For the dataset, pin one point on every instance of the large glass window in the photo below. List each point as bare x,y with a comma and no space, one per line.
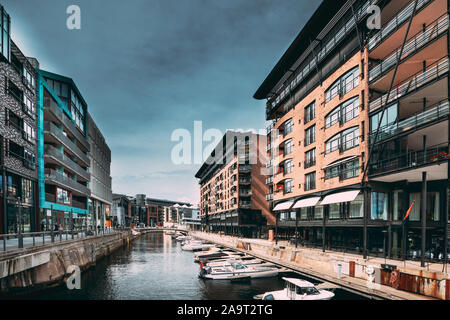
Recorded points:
344,112
334,210
288,186
343,85
344,140
357,207
27,191
288,147
389,117
310,135
379,206
29,133
288,127
432,207
318,212
288,166
62,196
399,205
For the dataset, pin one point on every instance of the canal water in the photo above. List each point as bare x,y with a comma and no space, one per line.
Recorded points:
154,267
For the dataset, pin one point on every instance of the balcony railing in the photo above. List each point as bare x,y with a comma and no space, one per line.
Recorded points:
57,133
269,197
245,193
245,204
410,159
245,181
396,22
78,204
245,168
414,82
61,179
51,105
269,180
50,151
435,29
441,110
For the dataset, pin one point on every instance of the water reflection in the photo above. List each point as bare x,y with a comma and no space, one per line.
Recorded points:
154,267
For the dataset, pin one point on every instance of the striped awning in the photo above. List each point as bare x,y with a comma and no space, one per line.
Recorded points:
339,197
305,203
284,206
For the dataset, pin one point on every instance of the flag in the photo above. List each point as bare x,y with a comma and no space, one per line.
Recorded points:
409,211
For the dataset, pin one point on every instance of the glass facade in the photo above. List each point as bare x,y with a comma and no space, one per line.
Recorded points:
5,39
432,207
379,206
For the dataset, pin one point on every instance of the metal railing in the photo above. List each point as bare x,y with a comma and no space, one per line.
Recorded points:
66,181
52,129
410,159
442,109
394,24
434,29
50,151
32,239
414,82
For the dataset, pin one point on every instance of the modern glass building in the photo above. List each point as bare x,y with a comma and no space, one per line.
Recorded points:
63,148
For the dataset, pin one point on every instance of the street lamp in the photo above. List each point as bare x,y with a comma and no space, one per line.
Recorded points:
384,244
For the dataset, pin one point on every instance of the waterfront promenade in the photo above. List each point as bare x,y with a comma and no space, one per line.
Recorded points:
431,282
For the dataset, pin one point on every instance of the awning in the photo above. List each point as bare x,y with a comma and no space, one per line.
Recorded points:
340,197
283,206
304,203
339,162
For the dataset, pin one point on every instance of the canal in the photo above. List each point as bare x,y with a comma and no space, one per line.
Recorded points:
154,267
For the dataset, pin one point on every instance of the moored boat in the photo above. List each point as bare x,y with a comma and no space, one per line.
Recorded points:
237,270
297,289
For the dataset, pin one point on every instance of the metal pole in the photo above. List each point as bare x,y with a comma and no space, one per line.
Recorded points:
19,224
296,228
52,234
71,222
423,207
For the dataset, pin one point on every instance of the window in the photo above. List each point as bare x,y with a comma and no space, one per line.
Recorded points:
5,41
28,79
310,135
29,133
29,160
344,140
310,181
350,170
389,117
62,196
288,166
310,112
343,85
288,147
343,113
288,186
27,191
432,207
303,213
318,212
310,158
379,206
357,207
400,208
29,106
288,127
335,210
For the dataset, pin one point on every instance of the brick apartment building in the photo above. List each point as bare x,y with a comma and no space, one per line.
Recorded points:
347,162
233,188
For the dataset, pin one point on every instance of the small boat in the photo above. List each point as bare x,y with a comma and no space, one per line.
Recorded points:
134,232
227,262
183,238
237,269
297,289
215,254
195,246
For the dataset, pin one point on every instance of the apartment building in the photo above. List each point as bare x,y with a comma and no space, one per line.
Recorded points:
359,130
63,147
120,215
100,200
233,188
18,145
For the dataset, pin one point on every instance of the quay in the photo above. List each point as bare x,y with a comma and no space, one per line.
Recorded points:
414,283
42,264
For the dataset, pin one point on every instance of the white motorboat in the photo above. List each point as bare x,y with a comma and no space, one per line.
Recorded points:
196,246
215,254
227,262
237,271
297,289
183,238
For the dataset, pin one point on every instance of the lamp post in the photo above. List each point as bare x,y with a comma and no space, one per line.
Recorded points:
19,223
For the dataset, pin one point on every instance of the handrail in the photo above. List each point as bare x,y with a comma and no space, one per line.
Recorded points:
409,159
55,175
434,29
395,23
413,82
435,112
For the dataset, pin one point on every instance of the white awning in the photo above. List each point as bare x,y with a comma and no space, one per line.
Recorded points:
339,162
304,203
340,197
283,206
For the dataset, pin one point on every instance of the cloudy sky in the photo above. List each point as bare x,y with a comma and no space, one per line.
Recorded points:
149,67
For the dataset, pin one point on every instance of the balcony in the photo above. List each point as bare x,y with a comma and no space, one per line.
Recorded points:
245,204
416,81
50,105
441,110
245,193
51,152
61,180
79,204
245,180
52,129
269,180
433,31
396,23
269,197
411,160
245,168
